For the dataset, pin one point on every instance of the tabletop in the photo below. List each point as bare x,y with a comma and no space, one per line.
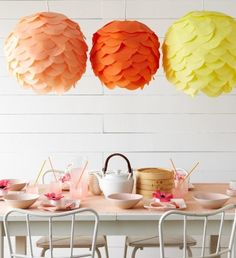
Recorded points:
115,221
108,212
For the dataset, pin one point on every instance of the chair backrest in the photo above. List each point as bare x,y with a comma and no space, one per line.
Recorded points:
188,218
50,172
50,219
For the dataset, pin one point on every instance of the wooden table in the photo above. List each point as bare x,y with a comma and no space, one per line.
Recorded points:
114,221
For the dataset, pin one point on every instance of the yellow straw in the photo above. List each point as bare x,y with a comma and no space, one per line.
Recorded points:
82,172
40,172
173,165
191,171
53,171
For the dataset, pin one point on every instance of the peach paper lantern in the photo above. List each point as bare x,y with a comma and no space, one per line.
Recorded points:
125,54
46,52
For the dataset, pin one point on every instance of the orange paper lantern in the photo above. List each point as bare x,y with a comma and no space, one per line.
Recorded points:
125,54
46,52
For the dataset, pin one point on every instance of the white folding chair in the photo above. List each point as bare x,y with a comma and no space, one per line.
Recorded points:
47,175
188,218
139,243
64,242
29,216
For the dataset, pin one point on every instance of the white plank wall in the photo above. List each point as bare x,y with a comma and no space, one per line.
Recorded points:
149,125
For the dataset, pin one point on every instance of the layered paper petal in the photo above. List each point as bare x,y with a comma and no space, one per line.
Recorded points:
125,54
199,53
46,52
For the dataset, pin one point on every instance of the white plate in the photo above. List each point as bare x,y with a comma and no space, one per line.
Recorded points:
165,206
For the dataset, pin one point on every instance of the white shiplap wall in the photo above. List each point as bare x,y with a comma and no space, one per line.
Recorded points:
149,125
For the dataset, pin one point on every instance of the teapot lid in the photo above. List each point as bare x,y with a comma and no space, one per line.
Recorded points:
117,175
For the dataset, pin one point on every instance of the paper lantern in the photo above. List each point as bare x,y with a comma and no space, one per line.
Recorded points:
125,54
46,52
199,53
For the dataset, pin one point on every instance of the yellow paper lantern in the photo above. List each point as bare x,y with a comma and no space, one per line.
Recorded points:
46,52
199,53
125,54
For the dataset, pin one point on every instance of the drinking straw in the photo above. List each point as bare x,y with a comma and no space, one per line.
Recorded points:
82,172
53,170
191,171
40,172
173,165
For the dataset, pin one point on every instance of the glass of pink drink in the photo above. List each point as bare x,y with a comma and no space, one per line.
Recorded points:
180,189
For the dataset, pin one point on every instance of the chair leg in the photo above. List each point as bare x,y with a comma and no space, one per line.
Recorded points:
98,252
43,252
106,247
126,248
135,251
190,254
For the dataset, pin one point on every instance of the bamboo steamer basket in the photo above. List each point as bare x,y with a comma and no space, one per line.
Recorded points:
149,180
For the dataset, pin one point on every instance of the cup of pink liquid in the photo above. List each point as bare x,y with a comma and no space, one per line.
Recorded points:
32,188
55,187
80,191
181,184
180,189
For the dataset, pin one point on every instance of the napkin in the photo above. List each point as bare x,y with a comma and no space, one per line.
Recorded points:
68,205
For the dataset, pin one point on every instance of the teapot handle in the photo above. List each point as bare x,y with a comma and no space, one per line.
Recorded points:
121,155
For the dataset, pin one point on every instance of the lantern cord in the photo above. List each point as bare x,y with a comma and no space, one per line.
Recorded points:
203,5
125,9
101,11
47,5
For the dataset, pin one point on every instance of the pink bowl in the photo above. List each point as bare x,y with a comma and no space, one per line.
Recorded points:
211,200
16,184
20,200
124,200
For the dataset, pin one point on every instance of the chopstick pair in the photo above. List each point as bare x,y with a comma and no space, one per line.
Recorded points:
189,173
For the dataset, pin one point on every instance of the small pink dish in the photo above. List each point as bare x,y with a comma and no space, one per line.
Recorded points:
156,205
231,192
60,205
211,200
124,200
3,192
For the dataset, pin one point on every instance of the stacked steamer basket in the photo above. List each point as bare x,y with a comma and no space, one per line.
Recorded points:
149,180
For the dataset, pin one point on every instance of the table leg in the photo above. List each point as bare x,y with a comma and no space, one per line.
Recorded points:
21,245
213,244
1,240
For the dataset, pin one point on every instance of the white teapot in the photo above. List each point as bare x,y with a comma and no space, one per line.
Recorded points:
115,181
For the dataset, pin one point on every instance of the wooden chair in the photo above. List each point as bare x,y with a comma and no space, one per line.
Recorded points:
64,242
29,216
206,217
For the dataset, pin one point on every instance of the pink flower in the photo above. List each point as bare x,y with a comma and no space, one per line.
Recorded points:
65,178
54,196
4,184
162,196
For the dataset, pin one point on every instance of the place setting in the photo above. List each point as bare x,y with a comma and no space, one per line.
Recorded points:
63,192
